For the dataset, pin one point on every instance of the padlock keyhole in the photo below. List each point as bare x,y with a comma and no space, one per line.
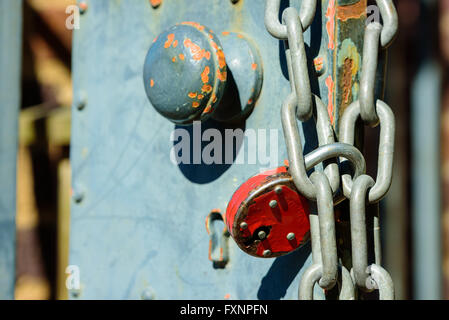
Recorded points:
259,234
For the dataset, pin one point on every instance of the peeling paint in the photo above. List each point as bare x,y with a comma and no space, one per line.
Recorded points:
205,74
318,63
169,41
330,94
349,60
196,51
330,24
206,88
353,11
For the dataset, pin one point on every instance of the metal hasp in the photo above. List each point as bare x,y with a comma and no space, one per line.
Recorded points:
10,62
186,74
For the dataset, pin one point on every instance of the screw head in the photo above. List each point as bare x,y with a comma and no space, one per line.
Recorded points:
273,204
81,100
266,253
291,236
262,235
243,225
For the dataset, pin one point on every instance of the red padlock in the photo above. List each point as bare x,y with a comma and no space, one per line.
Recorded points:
267,217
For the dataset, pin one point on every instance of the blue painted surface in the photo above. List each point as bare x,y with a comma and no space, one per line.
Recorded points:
141,224
10,62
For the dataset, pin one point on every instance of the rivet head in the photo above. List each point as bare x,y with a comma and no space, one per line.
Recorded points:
291,236
155,3
273,204
147,294
83,7
243,225
278,189
262,235
266,253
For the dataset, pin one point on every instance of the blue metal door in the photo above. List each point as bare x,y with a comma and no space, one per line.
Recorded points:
138,219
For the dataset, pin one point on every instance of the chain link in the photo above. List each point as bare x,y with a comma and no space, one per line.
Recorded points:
324,186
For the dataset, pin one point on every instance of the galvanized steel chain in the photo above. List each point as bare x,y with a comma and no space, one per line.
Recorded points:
324,186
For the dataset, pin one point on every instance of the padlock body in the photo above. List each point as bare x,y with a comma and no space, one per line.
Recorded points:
267,217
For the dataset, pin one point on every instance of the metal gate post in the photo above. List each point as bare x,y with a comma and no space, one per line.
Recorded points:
10,65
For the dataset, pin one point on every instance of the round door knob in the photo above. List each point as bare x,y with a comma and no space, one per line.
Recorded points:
185,73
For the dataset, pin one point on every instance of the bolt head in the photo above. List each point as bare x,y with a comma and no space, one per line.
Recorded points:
266,253
243,225
262,235
273,204
291,236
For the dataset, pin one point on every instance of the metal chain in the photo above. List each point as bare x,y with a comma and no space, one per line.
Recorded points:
324,186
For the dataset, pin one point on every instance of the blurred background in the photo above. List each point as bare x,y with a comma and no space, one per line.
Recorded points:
415,216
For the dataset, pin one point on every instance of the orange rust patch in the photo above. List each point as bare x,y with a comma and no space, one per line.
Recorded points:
200,96
214,98
206,88
181,56
330,94
208,109
151,83
353,11
169,41
330,24
155,39
192,95
221,75
225,33
347,79
155,3
175,43
239,36
318,63
205,74
194,24
211,36
214,45
195,104
254,66
286,163
250,101
227,296
221,59
196,51
173,59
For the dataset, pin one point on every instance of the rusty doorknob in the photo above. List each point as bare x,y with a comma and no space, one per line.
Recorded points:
185,73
